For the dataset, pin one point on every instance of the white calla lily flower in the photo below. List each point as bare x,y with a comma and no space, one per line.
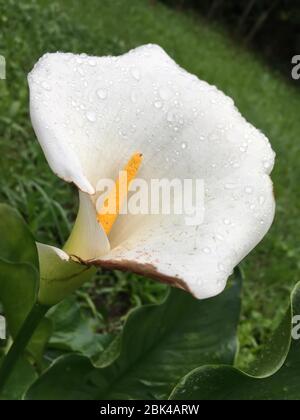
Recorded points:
91,114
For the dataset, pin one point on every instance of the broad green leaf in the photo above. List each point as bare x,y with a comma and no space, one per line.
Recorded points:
17,244
19,277
159,344
74,332
19,381
18,292
277,375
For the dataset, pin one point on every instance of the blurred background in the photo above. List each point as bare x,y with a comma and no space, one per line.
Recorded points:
269,27
244,48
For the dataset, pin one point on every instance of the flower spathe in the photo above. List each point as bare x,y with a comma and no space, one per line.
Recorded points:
91,114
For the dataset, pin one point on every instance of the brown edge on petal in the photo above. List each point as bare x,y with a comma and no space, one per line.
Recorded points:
147,270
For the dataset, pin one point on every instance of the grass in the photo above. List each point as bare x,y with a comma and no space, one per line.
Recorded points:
28,29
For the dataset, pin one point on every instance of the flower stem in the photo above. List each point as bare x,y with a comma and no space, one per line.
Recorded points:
19,345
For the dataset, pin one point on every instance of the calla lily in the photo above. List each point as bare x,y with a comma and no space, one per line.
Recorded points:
90,114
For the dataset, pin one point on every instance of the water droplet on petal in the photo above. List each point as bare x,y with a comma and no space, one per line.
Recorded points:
123,133
158,104
164,93
267,164
261,200
183,145
46,86
102,94
92,62
221,268
91,116
229,186
206,250
135,73
248,190
81,71
133,97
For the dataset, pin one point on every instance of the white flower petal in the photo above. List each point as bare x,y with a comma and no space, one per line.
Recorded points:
88,239
110,108
60,275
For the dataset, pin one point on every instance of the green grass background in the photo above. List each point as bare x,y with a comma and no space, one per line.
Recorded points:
30,28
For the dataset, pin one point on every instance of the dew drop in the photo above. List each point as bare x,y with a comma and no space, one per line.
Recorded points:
267,164
221,268
122,133
226,222
221,282
133,97
261,200
158,104
46,86
102,94
92,62
133,128
91,116
229,186
206,250
248,190
81,71
164,93
136,74
183,146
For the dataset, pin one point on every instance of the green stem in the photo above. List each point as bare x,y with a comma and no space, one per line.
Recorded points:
19,345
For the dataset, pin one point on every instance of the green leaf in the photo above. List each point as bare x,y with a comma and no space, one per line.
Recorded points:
159,344
19,381
19,277
74,332
17,243
275,376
